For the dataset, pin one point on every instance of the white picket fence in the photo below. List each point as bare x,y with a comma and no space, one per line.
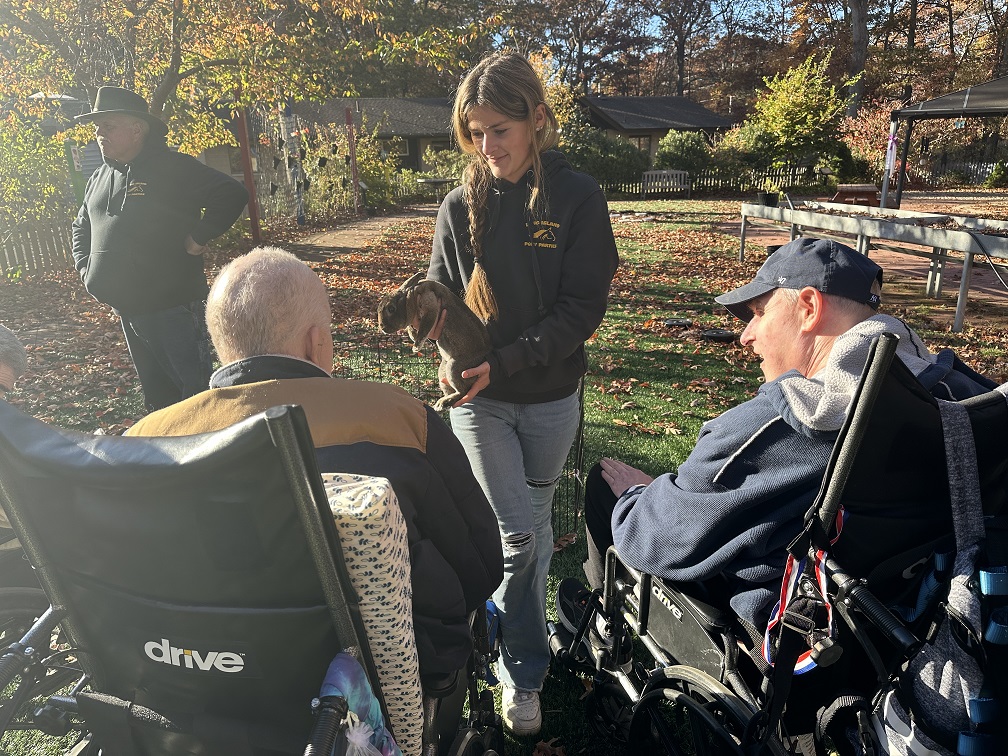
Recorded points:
36,249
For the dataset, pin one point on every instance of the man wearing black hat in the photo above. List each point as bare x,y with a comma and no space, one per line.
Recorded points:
138,241
739,497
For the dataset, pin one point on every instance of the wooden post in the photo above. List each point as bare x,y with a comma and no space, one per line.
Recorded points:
253,203
352,148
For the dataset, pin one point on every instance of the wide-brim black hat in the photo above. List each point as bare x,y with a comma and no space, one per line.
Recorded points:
124,101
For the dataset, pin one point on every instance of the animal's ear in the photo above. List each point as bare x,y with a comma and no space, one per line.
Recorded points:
413,280
428,308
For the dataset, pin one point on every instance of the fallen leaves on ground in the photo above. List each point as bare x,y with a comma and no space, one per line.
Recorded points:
80,372
548,748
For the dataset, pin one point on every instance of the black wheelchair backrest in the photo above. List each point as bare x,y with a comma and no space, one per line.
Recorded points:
201,574
896,500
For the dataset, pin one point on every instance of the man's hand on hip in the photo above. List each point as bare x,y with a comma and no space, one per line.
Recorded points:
193,248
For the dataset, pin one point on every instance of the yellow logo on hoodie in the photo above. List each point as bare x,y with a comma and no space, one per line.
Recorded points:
543,235
136,189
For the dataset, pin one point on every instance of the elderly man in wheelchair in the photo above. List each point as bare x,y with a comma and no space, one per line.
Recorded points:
282,549
692,563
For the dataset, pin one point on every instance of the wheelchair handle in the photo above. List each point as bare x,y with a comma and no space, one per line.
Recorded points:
855,593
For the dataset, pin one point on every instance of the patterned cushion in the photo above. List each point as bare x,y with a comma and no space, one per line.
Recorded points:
372,532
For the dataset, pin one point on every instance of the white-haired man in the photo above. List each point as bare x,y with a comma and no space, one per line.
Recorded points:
269,318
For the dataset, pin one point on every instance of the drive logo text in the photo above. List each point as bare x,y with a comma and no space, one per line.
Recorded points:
219,661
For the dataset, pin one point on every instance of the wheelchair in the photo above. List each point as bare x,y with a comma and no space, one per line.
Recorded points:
699,680
196,590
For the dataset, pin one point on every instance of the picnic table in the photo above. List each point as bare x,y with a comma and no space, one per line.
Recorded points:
903,231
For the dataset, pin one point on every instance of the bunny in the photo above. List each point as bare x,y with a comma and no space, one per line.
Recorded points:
464,342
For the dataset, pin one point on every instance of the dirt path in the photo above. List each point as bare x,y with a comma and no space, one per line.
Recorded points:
354,235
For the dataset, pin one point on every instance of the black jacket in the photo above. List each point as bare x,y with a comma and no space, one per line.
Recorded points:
550,278
377,429
129,235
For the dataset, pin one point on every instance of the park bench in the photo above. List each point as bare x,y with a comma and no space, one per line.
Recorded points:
857,194
663,182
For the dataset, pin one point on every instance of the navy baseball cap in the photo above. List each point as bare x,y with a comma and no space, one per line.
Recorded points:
823,264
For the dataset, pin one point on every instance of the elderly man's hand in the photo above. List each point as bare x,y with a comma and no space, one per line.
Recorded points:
620,476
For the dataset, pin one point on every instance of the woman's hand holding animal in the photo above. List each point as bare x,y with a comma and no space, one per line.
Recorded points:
482,375
421,307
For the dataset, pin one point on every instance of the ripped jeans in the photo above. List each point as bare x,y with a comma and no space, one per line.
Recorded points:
517,452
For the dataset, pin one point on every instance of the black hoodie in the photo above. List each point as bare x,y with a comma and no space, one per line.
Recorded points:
129,235
550,277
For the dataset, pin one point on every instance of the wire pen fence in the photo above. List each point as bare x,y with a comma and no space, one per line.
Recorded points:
390,359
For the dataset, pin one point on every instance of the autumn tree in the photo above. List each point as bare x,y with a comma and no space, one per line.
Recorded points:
197,59
581,36
681,22
801,110
33,174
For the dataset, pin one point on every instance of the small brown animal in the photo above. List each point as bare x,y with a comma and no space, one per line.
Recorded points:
464,342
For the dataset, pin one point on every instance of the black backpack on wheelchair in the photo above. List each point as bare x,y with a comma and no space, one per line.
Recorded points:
853,617
199,590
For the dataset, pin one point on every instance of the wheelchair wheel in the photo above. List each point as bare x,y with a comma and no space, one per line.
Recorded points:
19,608
472,742
689,712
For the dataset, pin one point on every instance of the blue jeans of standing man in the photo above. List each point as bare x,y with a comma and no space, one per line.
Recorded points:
517,452
171,352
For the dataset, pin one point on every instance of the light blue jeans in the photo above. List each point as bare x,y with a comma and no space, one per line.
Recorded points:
517,452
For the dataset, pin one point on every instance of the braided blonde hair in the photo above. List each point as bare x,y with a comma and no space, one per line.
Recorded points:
507,83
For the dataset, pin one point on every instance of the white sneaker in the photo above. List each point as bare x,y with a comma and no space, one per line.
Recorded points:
520,710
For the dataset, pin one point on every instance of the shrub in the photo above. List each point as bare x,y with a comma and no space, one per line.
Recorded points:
443,163
609,161
998,178
742,149
865,138
683,150
330,193
801,110
954,179
848,166
33,174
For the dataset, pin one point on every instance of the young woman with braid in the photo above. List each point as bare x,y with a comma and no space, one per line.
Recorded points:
528,241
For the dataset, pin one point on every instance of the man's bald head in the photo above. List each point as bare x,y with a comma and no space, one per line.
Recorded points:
269,302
